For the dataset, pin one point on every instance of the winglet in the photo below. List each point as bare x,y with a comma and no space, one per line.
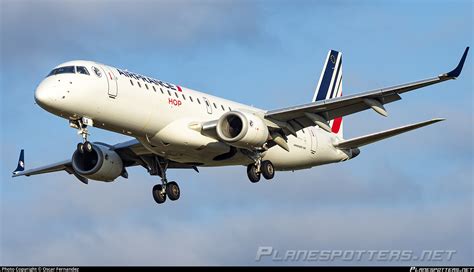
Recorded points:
21,163
457,71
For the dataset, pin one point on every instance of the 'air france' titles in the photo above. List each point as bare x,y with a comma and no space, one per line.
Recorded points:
147,79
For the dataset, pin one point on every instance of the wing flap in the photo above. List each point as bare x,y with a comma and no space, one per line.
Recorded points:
371,138
357,104
132,153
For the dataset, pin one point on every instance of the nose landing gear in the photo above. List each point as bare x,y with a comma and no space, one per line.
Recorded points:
81,126
85,147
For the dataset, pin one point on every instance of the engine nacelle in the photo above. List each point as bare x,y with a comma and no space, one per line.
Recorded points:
100,164
242,129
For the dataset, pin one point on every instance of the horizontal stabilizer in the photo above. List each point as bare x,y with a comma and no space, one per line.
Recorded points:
371,138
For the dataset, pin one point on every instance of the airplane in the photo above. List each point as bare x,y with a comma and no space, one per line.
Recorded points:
178,128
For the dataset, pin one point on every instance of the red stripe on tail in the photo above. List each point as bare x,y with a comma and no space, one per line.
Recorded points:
336,125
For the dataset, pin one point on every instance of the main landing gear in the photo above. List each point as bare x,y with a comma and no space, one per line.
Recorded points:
255,170
170,189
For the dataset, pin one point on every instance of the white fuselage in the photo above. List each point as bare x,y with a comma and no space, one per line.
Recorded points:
164,117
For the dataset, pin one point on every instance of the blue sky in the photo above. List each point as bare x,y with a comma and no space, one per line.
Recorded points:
412,192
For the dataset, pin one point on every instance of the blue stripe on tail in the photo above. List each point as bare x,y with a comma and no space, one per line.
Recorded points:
327,76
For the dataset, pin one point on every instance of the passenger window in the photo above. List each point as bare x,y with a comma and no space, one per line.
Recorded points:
162,91
207,103
82,70
154,89
199,101
222,108
230,109
169,93
131,82
176,94
146,86
190,98
215,105
139,85
184,97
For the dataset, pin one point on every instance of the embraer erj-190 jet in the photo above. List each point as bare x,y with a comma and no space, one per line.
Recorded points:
176,127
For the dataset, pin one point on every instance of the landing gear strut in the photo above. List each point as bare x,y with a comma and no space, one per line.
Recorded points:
85,146
160,191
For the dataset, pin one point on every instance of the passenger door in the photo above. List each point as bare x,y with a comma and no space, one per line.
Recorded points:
112,81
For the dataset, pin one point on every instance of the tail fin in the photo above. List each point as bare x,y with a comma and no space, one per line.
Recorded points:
21,162
330,85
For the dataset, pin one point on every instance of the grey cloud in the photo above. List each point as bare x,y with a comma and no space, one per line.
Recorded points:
157,239
222,218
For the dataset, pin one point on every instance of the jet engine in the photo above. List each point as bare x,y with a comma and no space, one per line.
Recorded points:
100,164
242,129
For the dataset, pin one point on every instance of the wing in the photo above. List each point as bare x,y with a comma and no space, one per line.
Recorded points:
65,165
131,152
59,166
292,119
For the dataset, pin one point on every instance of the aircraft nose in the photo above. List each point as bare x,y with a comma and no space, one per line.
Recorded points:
43,96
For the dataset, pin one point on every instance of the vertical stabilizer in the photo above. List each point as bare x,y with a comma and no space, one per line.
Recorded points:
330,85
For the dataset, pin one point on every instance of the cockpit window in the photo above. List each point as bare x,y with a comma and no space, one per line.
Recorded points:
63,70
82,70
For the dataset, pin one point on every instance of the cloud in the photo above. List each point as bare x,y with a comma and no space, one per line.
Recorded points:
144,234
40,30
222,218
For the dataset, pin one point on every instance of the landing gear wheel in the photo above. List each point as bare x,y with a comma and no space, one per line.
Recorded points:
268,171
87,147
159,194
172,190
80,148
252,173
